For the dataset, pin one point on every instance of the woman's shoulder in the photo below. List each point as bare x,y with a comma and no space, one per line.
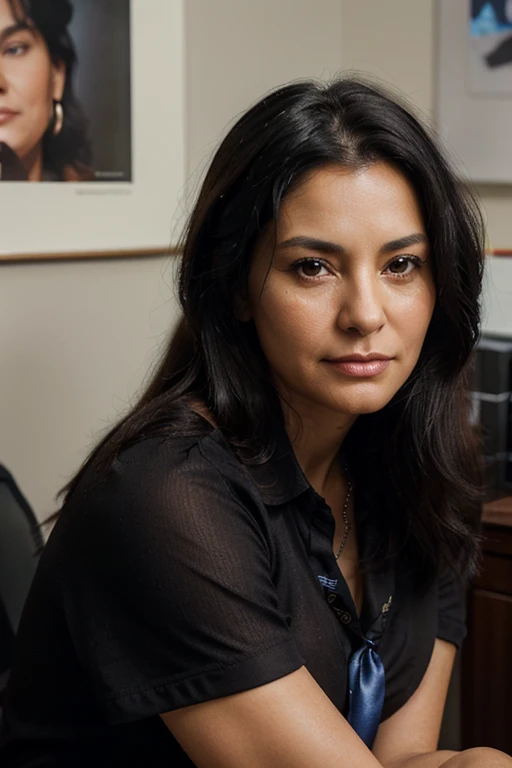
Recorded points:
155,496
162,477
160,461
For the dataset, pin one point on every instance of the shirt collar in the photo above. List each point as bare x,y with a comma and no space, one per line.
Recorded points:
280,479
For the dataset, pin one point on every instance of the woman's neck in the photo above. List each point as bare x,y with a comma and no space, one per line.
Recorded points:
33,163
316,440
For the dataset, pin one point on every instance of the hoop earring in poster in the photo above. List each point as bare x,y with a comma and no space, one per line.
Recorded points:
58,118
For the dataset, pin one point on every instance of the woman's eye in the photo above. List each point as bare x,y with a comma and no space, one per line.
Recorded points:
310,268
16,49
404,265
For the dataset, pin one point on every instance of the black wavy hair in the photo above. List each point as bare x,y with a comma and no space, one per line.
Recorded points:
51,19
414,462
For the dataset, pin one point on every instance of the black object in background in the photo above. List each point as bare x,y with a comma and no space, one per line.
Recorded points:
20,540
501,55
492,397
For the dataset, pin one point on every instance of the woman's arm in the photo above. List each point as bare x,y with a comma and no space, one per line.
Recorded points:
409,738
289,722
415,728
479,757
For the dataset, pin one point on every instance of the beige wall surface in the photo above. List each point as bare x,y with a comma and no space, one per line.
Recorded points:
237,50
77,338
393,42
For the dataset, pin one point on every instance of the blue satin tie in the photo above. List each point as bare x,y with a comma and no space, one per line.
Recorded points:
366,680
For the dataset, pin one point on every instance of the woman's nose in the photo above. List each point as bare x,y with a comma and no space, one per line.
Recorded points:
3,81
362,308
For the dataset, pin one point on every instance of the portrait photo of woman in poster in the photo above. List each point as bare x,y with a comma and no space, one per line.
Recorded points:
48,131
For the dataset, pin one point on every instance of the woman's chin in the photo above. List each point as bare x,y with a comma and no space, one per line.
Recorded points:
363,399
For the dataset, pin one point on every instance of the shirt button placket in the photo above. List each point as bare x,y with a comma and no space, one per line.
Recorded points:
343,617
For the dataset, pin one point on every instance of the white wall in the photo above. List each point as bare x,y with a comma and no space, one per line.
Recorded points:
77,338
237,50
392,41
396,42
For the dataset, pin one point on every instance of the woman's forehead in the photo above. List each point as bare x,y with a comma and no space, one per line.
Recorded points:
336,199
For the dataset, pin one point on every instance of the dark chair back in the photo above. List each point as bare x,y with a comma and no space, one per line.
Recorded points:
20,539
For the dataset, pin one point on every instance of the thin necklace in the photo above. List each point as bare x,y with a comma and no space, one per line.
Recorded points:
348,527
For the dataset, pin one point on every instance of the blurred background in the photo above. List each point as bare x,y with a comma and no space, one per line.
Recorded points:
77,337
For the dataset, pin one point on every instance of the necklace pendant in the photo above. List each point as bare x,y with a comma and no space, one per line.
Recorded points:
348,526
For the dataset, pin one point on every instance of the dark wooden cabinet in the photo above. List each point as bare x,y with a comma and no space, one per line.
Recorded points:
486,663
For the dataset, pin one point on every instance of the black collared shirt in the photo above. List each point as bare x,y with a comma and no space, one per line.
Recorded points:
184,576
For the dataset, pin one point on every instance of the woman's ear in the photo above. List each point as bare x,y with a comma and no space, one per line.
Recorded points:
58,80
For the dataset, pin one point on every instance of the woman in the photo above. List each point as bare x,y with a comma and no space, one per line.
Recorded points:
42,126
263,564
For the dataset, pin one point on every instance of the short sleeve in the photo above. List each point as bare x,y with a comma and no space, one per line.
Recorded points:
452,606
168,586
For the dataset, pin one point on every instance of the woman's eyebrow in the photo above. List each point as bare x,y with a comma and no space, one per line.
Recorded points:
324,246
418,238
311,244
20,26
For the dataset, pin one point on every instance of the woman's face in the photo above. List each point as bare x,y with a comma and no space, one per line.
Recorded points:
29,82
343,302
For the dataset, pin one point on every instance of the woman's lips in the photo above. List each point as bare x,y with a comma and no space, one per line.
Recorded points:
6,115
360,368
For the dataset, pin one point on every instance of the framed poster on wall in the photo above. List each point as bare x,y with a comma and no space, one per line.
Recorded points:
474,86
91,128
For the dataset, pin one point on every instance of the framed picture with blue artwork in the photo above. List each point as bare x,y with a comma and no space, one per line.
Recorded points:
474,86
